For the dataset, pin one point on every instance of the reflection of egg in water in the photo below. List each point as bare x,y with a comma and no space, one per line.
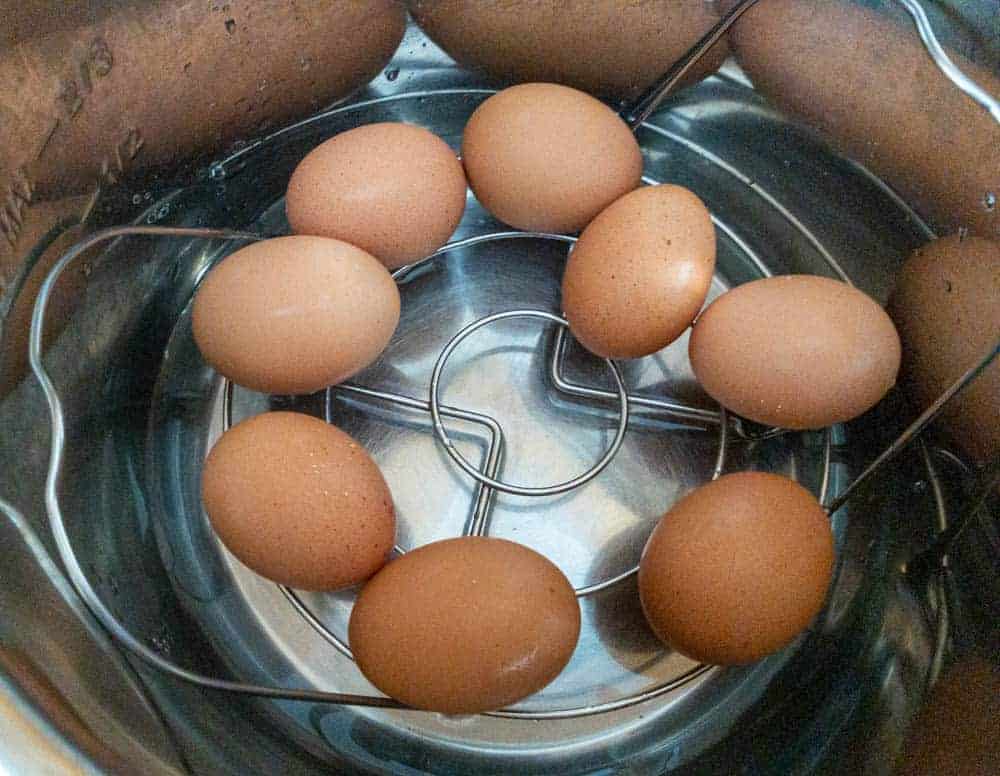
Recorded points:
955,734
544,157
298,501
295,314
465,625
737,568
396,190
640,272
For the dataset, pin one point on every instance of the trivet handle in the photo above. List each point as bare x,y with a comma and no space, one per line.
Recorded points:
640,110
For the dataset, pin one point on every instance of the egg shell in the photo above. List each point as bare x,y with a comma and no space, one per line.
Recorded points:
465,625
640,272
544,157
615,48
796,351
946,305
737,568
955,733
295,314
298,501
938,149
396,190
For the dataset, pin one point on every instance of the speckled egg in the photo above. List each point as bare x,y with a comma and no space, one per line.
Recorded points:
298,501
640,272
795,351
465,625
396,190
544,157
737,568
295,314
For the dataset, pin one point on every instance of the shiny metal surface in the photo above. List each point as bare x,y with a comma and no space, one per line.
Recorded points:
42,685
504,487
838,703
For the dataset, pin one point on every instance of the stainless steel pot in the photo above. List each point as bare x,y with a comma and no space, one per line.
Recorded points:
141,409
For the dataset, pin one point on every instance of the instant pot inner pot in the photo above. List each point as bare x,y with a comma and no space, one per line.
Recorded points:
781,203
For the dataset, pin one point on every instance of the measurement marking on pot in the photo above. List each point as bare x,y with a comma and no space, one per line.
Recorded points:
124,152
69,99
101,58
74,89
18,197
48,137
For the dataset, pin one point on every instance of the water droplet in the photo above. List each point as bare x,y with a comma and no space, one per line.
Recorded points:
136,199
919,486
990,201
392,73
161,643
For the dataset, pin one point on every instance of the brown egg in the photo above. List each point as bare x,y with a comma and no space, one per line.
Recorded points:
796,351
544,157
955,734
946,306
737,568
465,625
295,314
615,48
396,190
640,272
298,501
937,148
